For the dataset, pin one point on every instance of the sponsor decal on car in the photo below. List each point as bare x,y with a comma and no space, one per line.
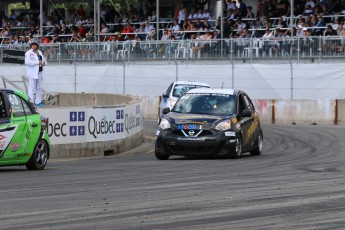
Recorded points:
186,126
14,147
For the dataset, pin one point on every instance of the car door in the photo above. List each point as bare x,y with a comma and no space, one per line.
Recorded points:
246,122
23,130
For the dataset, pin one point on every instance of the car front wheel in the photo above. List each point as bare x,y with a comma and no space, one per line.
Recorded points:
39,157
236,153
161,156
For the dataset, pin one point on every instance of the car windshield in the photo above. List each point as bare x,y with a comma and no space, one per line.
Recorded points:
206,103
180,89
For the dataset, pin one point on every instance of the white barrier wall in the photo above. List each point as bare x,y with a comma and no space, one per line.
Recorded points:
260,81
71,125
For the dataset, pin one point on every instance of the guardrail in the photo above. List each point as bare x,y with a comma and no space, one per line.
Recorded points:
239,48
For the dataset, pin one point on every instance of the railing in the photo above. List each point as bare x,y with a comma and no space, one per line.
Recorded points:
240,48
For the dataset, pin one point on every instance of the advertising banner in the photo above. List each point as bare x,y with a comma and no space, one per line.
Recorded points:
13,56
89,124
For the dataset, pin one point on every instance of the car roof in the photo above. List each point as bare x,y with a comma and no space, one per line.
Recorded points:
213,90
191,83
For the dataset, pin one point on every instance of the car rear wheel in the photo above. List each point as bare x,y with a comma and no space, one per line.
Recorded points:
39,157
236,153
161,156
258,146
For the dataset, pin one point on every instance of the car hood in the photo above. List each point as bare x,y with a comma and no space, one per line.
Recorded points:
181,118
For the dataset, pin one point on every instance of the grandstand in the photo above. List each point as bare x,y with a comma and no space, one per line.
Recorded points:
204,30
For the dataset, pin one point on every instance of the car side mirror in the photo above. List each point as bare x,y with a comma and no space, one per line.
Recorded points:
165,96
246,113
166,110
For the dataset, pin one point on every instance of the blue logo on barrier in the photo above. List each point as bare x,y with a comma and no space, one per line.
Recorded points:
119,127
119,114
81,116
73,131
81,130
73,116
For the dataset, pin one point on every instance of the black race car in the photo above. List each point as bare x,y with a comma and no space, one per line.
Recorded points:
210,122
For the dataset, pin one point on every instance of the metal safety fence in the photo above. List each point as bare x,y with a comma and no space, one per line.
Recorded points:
238,48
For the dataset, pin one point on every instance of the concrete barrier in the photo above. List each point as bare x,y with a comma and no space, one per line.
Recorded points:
281,111
82,125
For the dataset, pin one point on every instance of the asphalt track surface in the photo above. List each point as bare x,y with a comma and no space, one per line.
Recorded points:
297,183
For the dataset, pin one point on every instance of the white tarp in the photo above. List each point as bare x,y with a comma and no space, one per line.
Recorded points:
260,81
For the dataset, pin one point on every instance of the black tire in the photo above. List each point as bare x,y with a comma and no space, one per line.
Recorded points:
161,156
258,146
39,157
236,153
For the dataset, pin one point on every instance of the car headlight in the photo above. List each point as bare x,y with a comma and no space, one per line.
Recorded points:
164,124
222,126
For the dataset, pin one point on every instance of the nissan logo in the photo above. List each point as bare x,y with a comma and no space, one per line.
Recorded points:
191,132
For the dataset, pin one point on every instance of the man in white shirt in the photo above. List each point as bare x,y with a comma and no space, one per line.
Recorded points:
34,61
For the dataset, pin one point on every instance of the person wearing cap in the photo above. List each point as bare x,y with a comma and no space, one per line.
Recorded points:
34,61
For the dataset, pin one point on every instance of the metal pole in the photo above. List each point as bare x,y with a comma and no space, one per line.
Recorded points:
292,17
291,78
157,19
41,18
94,20
124,76
99,20
221,26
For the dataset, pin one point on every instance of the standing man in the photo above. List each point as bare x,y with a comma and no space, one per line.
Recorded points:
34,61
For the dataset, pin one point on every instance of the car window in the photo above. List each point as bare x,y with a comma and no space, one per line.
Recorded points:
206,103
248,102
3,110
242,103
180,89
16,105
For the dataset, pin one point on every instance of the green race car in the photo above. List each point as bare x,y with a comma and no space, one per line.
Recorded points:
23,136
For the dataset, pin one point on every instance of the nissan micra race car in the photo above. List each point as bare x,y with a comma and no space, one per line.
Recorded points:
23,136
210,122
174,92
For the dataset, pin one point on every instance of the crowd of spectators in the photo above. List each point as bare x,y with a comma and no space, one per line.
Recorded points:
240,21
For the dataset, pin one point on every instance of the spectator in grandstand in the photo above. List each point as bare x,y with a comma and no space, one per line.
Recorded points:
167,48
243,41
198,25
65,29
199,13
149,30
188,26
141,31
281,23
250,13
182,13
22,40
197,45
277,42
231,5
329,46
320,23
193,15
206,25
237,14
128,31
82,30
231,14
243,8
240,25
299,32
340,29
206,15
266,22
309,7
35,61
268,35
5,32
153,16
